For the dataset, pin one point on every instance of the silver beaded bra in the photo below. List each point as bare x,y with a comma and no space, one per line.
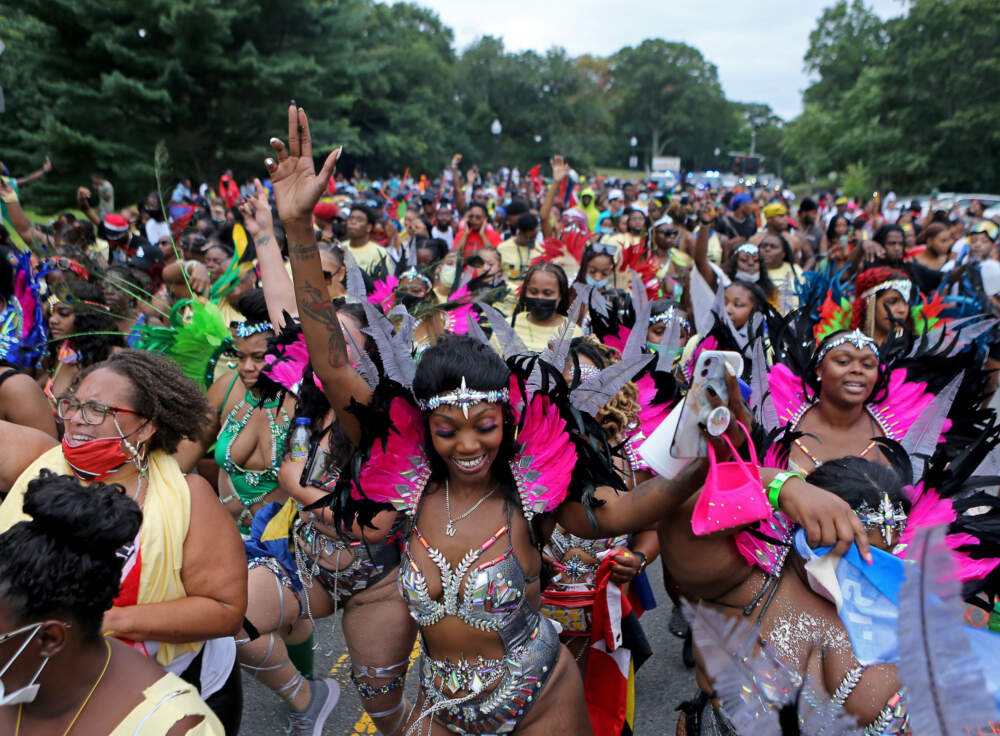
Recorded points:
493,590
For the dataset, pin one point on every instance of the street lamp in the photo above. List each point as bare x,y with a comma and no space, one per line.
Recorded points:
496,129
538,138
633,160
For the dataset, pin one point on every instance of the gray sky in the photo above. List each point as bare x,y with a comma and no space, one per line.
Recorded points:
757,48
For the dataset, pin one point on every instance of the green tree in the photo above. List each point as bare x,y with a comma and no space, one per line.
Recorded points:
404,112
669,97
109,79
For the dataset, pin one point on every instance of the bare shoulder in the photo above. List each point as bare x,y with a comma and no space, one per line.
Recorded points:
201,490
216,395
22,446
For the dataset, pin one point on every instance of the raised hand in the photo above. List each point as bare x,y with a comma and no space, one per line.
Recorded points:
560,168
257,211
47,166
297,187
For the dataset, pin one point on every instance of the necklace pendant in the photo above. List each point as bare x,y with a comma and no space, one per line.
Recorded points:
449,529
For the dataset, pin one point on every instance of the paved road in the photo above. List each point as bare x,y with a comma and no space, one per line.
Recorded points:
662,683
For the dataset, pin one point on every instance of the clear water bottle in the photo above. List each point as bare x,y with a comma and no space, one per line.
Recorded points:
299,443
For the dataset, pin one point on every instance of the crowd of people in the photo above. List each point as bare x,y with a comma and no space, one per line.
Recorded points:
470,410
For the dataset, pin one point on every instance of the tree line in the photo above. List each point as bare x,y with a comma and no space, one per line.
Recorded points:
97,84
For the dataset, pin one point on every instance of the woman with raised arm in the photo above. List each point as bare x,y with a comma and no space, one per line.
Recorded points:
183,591
337,565
482,468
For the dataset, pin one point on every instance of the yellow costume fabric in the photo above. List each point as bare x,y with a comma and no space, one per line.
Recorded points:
166,515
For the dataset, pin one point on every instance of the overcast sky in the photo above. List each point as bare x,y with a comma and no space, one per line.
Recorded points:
757,48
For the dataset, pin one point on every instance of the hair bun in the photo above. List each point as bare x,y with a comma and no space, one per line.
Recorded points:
98,518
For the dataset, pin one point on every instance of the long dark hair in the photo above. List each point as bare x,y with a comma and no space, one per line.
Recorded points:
562,304
442,368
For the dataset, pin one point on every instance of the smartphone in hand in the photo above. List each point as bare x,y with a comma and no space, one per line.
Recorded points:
710,370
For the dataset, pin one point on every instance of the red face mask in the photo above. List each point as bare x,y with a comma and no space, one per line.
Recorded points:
95,459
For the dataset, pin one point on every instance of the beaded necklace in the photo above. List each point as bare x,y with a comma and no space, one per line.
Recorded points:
254,478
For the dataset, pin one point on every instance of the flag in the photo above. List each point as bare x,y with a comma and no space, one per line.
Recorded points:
609,685
866,596
180,217
535,174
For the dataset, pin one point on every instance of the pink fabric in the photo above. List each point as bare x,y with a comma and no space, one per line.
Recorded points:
544,462
397,469
384,293
767,556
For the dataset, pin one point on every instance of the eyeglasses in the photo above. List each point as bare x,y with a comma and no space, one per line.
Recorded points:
91,412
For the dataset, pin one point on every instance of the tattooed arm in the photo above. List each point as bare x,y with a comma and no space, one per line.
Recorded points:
297,188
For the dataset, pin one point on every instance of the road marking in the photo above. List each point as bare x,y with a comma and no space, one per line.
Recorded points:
341,672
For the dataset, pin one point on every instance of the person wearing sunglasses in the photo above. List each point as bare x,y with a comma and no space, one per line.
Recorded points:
60,572
183,590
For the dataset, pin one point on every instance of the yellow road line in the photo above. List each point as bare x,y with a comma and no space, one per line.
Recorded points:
341,670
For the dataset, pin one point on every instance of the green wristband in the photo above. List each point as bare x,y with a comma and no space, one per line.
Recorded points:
774,488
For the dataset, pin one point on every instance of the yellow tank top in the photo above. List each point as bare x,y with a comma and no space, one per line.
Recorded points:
165,702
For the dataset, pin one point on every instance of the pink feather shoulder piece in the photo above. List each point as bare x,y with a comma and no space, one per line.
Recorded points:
289,365
929,510
902,406
786,393
398,468
384,293
543,464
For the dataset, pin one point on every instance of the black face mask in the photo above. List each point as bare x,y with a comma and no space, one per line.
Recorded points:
410,301
540,309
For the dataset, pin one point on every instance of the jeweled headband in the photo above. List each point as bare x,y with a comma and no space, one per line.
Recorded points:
903,286
856,338
670,315
886,518
248,329
463,397
748,248
412,273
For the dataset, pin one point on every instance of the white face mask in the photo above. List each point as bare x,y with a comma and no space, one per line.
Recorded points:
751,276
30,691
447,275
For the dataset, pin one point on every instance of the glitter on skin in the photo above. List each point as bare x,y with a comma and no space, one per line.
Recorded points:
792,635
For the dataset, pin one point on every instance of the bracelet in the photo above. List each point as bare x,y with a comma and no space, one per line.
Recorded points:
642,559
775,486
189,266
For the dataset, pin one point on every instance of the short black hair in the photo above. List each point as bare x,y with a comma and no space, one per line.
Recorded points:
64,561
859,481
527,221
517,207
808,204
480,205
368,211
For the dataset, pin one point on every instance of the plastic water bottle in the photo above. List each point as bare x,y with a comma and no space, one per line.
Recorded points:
299,444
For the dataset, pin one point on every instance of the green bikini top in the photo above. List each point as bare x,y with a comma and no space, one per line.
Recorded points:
251,485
